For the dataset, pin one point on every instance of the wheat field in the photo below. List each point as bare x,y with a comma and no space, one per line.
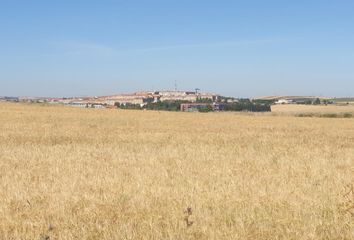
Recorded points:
68,173
297,109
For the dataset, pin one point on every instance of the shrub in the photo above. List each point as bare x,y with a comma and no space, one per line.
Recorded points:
347,115
330,115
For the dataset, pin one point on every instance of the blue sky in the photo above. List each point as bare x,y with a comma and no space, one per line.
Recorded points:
237,48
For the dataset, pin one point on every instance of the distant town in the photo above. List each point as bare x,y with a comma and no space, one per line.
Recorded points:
173,100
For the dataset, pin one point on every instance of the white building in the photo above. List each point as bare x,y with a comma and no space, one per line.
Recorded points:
284,101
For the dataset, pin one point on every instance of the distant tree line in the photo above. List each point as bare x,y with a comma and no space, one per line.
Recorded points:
160,106
165,105
315,101
242,105
127,106
247,106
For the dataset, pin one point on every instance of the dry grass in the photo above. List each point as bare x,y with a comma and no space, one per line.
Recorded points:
315,109
108,174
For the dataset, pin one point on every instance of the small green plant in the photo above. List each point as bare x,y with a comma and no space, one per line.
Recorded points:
329,115
305,115
188,213
347,115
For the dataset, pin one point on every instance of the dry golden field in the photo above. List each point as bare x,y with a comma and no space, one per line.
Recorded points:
68,173
297,109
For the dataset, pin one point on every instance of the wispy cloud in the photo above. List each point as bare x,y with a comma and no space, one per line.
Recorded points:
72,48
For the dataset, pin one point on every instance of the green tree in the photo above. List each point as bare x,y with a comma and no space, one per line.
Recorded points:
317,102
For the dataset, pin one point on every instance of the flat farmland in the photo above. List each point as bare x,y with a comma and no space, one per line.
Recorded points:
68,173
315,109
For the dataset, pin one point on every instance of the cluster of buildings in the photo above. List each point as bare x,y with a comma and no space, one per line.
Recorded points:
138,98
9,99
143,98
